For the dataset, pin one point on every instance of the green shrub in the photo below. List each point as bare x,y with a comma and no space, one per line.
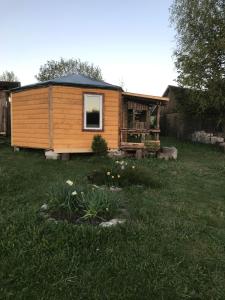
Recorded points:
99,145
83,203
123,174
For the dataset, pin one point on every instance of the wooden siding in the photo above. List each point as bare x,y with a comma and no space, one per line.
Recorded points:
30,118
67,119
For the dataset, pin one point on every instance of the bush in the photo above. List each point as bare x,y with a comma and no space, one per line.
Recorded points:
123,174
78,204
99,145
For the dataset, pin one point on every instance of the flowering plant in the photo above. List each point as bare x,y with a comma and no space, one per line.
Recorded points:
122,173
87,202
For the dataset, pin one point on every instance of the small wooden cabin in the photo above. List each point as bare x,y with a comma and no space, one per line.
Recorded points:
64,114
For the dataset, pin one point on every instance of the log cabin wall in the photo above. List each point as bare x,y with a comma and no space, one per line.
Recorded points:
67,119
52,118
30,118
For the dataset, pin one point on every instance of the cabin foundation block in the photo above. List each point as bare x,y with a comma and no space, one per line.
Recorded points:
16,149
49,154
139,154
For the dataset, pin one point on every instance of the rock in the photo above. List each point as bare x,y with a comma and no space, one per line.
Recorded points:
167,153
51,155
44,207
220,140
115,189
197,136
213,140
116,154
206,138
112,222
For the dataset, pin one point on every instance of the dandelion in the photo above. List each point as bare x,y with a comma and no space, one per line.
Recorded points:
118,175
108,173
69,182
74,193
133,167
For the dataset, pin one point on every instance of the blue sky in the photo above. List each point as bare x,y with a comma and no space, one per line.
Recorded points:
131,41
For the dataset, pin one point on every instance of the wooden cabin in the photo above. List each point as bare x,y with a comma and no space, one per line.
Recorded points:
64,114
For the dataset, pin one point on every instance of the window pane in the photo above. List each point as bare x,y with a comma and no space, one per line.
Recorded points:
93,111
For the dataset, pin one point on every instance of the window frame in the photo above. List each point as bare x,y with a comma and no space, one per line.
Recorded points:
101,116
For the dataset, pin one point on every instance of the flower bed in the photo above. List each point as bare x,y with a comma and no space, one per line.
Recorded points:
122,174
79,205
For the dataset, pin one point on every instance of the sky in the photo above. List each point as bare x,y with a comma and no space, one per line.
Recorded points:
131,41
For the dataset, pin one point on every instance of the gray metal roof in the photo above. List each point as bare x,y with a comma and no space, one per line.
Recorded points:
76,80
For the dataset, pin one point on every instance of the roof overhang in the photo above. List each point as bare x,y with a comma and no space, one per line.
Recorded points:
146,98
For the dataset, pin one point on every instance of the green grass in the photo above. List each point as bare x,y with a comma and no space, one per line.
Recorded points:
172,247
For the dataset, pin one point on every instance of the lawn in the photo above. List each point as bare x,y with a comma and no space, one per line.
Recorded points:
171,247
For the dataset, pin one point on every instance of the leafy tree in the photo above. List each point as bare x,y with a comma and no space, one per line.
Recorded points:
8,76
200,55
54,69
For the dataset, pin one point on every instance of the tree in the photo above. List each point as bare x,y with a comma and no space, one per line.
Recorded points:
54,69
200,55
8,76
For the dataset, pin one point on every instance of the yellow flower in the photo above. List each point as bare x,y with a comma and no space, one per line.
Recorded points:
118,176
108,173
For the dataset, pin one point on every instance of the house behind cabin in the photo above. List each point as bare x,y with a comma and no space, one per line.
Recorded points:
180,125
5,86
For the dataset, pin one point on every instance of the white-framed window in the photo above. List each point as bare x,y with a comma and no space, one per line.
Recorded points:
93,114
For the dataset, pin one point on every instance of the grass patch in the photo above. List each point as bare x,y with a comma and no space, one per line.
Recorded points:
172,246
